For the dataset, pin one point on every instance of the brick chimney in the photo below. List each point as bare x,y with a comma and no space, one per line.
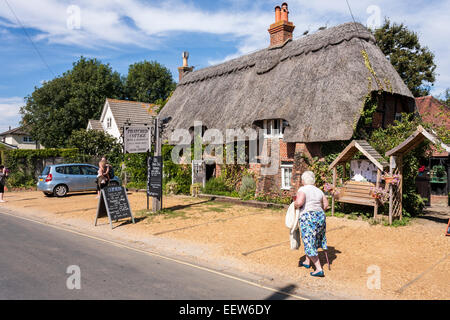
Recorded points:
282,29
185,68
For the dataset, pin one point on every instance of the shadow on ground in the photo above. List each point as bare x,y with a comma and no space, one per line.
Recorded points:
181,207
332,255
436,214
279,295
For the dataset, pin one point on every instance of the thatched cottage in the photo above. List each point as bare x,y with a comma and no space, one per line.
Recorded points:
312,88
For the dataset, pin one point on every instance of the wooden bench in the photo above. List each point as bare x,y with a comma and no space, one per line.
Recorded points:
353,191
357,193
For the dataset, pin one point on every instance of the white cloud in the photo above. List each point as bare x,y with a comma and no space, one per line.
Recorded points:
9,111
114,23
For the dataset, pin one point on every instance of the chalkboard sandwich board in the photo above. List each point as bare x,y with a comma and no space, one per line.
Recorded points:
113,202
154,174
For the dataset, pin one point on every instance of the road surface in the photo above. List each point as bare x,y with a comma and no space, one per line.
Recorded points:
34,261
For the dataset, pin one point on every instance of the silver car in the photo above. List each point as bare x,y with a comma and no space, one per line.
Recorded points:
59,179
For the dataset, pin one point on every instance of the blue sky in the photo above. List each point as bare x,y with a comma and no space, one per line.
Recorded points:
127,31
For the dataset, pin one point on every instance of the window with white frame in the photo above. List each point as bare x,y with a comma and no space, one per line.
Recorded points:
28,139
286,176
108,123
273,128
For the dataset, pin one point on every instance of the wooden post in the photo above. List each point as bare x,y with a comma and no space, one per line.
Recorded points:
156,203
392,165
400,185
334,186
377,185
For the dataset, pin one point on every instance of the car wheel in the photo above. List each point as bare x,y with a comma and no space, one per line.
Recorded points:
113,184
60,191
48,194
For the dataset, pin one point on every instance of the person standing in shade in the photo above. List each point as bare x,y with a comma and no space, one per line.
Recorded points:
312,221
3,175
102,175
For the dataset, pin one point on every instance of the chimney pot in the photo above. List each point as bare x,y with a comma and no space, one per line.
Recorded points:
284,12
281,31
277,13
185,68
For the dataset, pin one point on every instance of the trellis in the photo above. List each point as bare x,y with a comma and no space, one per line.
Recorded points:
396,166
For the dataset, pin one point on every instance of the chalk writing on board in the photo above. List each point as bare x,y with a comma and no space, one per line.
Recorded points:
114,203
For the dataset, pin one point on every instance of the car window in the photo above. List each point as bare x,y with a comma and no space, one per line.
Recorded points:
88,170
73,170
60,170
46,171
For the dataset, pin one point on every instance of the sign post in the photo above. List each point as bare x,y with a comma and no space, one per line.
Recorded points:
157,180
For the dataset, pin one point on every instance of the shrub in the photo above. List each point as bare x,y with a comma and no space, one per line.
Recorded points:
215,185
26,165
274,199
171,187
248,187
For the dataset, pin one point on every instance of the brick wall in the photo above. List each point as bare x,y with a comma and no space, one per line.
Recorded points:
289,152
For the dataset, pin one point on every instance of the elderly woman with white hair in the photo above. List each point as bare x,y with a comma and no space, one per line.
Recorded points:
312,202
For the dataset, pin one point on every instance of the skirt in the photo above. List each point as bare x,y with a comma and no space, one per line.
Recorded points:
313,227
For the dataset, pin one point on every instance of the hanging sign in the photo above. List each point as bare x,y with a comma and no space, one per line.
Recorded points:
136,139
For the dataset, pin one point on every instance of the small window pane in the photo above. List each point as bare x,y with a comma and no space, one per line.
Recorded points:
73,170
286,177
88,170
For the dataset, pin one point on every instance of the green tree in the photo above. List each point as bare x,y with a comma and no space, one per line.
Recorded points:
96,143
148,82
384,140
93,142
446,97
414,63
66,103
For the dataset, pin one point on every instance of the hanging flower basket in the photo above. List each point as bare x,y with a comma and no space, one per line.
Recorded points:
391,179
327,187
380,194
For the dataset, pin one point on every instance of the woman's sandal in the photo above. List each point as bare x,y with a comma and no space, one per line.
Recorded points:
318,274
307,266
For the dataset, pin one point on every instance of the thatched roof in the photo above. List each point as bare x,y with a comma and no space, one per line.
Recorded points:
317,83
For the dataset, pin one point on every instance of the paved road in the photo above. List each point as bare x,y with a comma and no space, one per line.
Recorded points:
34,259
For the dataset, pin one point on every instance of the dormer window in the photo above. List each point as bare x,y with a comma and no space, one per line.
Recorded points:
273,128
109,123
